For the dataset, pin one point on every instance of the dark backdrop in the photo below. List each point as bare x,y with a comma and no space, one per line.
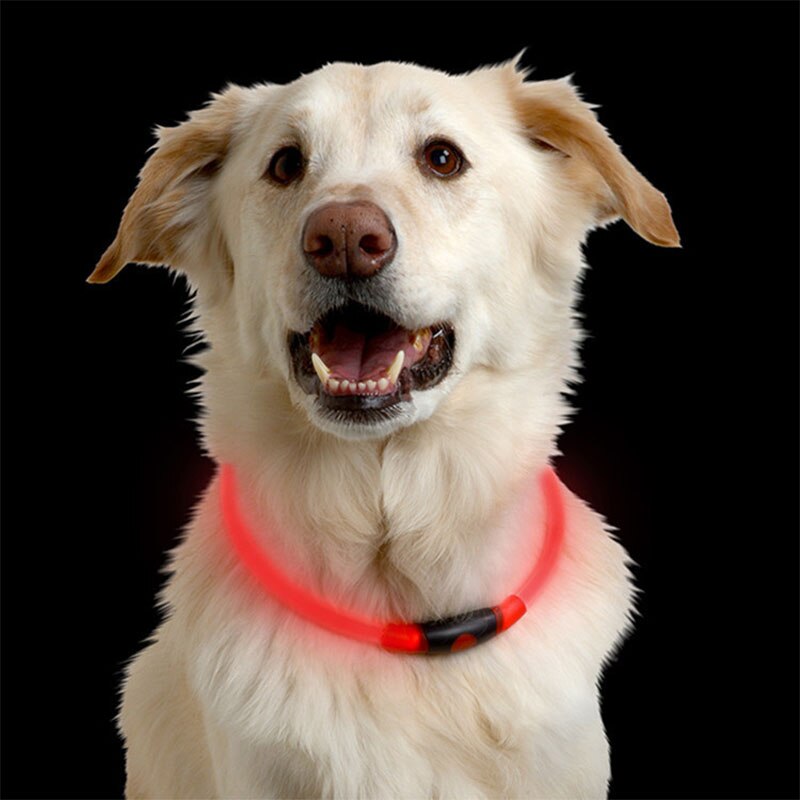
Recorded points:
687,425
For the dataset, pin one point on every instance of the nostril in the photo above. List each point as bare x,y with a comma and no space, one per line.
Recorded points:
372,245
320,246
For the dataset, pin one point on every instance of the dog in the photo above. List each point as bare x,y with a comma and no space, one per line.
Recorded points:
384,261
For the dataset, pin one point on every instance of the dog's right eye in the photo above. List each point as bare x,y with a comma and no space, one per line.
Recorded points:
286,165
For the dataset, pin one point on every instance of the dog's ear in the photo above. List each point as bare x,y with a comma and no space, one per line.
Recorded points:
169,218
555,116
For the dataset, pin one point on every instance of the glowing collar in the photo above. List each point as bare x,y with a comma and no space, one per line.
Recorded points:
441,636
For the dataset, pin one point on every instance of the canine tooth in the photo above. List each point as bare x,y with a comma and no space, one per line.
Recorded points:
371,385
362,386
418,339
397,365
333,384
323,373
344,385
382,384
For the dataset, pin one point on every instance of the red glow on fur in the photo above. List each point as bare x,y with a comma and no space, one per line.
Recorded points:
553,538
397,637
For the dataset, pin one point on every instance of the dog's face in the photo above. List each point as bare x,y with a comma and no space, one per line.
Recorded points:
375,235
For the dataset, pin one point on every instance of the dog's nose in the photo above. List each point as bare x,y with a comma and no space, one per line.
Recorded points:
349,240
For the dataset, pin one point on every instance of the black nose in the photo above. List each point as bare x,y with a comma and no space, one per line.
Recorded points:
349,240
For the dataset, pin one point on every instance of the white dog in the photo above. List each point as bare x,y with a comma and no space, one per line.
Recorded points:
384,262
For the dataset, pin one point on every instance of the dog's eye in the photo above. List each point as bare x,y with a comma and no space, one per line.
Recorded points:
442,159
286,165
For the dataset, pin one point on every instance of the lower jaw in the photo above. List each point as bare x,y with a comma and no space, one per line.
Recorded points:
364,411
358,403
364,419
361,423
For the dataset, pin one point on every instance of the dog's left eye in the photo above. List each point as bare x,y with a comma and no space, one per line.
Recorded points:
442,158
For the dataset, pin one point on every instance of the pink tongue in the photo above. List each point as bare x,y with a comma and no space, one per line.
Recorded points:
354,356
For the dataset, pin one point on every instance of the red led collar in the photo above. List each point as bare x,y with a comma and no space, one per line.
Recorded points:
442,636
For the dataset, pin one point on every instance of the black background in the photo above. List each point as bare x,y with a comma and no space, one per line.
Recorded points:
686,432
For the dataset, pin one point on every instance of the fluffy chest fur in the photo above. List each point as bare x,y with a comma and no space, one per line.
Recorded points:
518,716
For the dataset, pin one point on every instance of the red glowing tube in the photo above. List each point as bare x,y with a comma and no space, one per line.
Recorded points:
448,635
551,546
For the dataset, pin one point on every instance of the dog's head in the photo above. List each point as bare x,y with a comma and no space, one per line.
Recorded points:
375,237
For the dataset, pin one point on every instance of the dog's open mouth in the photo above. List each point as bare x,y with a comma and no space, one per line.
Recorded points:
356,359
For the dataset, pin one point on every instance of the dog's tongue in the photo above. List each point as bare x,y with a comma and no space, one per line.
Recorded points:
357,356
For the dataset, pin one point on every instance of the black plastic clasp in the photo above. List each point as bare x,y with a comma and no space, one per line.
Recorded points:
459,633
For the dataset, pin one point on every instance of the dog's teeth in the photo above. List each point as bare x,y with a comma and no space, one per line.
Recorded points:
382,384
362,387
371,386
323,373
333,384
353,387
344,385
419,339
397,365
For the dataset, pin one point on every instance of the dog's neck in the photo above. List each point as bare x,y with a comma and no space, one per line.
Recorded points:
432,520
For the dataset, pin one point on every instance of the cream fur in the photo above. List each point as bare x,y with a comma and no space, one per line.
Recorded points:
431,515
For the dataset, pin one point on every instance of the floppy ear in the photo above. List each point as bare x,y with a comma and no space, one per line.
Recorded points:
168,218
554,114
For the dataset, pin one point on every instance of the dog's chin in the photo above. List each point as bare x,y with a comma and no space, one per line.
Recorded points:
361,375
